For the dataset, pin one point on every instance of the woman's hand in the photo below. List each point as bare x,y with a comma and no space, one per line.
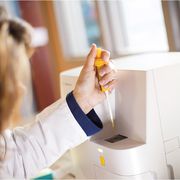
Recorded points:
87,90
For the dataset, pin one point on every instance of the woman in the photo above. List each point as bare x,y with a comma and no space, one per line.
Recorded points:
24,151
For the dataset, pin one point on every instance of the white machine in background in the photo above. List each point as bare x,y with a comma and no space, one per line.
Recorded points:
145,143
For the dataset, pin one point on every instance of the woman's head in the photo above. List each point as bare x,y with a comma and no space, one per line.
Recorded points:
15,49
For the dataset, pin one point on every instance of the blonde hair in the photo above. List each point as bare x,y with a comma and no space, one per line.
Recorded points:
15,41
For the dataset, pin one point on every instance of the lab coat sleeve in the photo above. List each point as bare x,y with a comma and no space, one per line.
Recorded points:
90,123
34,147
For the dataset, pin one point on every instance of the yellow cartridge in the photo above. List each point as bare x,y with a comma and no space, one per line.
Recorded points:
102,160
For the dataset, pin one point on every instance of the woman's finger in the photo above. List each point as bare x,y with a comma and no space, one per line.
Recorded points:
105,55
105,70
107,78
110,85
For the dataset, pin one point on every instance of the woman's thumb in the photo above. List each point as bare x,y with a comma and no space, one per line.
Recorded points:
91,57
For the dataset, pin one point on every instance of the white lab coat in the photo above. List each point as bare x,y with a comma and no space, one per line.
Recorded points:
24,151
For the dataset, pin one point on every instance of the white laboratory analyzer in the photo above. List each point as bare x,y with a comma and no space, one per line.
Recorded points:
145,142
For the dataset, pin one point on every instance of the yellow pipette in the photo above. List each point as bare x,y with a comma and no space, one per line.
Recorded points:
99,62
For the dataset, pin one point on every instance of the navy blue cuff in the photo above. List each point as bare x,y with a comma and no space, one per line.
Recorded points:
90,123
